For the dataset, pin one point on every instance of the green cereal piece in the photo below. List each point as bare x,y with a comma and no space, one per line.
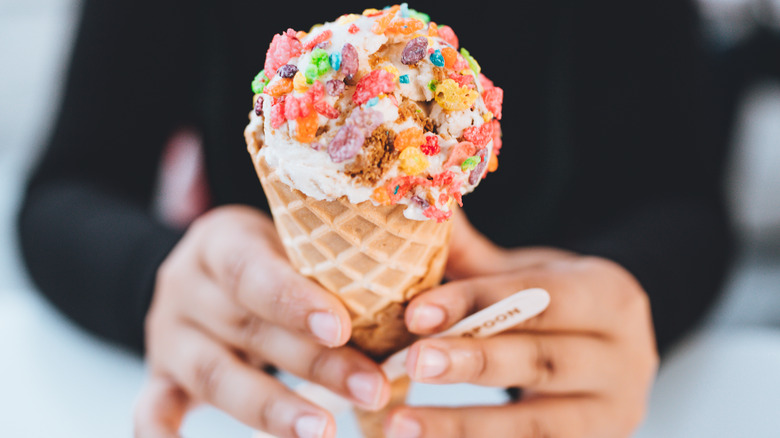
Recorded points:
472,62
259,83
432,85
470,163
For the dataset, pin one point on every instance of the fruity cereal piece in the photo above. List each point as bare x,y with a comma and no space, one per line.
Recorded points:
414,51
497,142
405,26
409,138
431,145
494,99
321,37
381,196
447,34
381,23
283,47
259,83
460,152
349,60
299,82
452,97
307,127
450,56
473,64
372,85
434,213
326,109
479,135
412,161
296,107
277,115
433,30
279,87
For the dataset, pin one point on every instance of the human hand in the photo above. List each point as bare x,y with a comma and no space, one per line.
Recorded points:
226,302
586,364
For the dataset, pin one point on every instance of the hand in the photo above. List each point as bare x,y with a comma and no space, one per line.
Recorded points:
586,364
226,302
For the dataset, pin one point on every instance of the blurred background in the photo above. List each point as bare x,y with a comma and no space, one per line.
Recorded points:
721,381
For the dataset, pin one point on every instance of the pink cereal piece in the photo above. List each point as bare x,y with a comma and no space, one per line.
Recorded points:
322,37
434,213
277,115
353,29
296,107
447,34
463,80
461,63
316,91
479,135
494,99
460,152
282,48
326,109
497,142
373,84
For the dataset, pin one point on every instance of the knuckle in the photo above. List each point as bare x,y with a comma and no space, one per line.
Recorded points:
207,376
250,331
317,369
266,413
534,429
478,362
541,363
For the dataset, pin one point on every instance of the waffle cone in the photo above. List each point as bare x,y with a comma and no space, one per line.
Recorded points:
372,257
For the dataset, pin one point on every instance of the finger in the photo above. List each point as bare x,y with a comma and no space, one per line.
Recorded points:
545,363
575,303
212,373
575,417
160,409
343,370
243,263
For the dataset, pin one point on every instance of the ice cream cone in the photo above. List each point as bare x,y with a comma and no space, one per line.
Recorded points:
372,257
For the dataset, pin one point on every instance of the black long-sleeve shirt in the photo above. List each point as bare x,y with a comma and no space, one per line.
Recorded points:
609,147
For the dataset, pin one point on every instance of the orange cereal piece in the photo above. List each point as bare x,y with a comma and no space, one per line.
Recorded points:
450,56
405,26
307,127
493,163
381,23
409,138
433,30
381,196
279,87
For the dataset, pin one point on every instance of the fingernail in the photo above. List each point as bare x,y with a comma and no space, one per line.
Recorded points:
310,426
431,362
404,427
366,387
325,326
427,317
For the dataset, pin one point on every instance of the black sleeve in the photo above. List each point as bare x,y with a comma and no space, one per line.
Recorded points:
651,197
87,235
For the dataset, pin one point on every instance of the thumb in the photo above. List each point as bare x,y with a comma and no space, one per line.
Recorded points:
160,409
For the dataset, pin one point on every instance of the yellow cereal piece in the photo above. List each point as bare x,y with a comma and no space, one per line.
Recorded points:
394,71
488,116
347,18
299,82
452,97
412,161
371,11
